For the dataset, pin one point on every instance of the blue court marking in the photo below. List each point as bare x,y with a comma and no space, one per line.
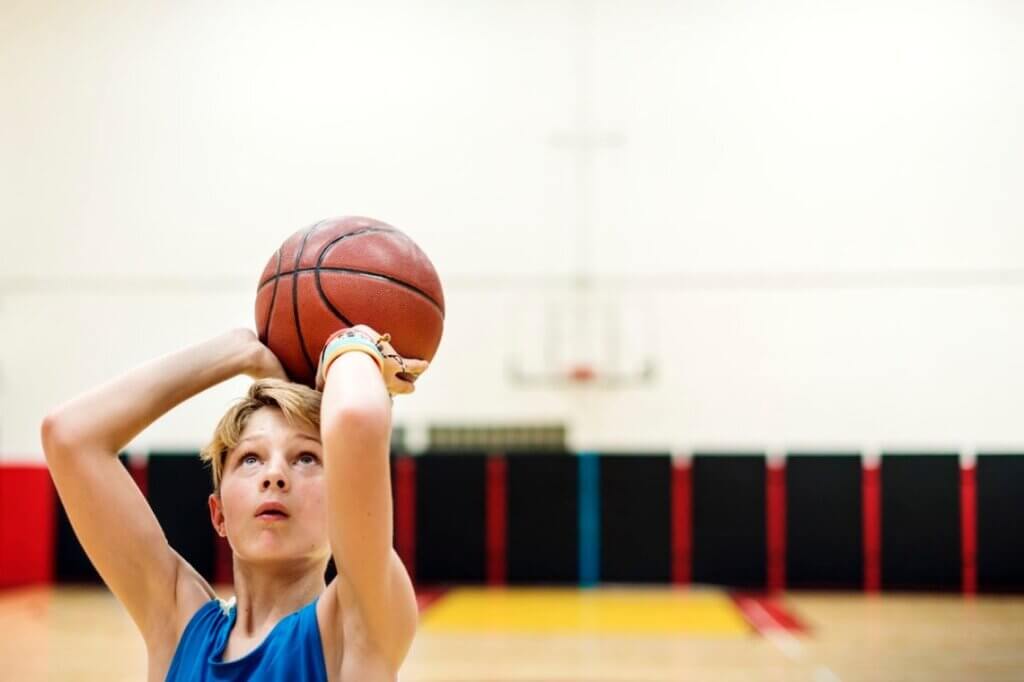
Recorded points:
590,518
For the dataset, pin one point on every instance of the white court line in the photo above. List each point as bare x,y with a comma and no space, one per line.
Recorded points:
774,632
823,674
779,636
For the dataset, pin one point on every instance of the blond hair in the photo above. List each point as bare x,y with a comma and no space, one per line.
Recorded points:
299,404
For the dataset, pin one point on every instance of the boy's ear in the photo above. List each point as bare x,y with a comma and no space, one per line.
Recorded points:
217,515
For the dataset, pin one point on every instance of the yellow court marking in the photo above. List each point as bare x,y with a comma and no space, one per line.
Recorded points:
598,610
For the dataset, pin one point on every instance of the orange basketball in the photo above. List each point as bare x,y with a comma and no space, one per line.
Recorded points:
342,272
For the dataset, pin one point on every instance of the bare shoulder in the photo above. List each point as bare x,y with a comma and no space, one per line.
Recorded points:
191,592
349,647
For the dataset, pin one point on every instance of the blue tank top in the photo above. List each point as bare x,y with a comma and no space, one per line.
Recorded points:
291,650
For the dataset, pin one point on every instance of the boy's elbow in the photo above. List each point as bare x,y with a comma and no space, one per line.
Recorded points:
53,434
356,421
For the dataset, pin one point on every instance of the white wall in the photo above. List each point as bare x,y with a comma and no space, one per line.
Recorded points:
809,213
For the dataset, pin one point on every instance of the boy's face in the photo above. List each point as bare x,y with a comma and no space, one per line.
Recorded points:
271,505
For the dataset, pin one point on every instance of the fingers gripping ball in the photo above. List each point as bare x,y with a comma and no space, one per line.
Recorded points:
342,272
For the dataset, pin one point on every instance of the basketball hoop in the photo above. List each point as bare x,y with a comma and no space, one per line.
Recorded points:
582,342
581,373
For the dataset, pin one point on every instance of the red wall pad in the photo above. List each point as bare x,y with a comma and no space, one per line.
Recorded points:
872,509
27,502
497,519
682,524
775,520
405,512
968,528
223,561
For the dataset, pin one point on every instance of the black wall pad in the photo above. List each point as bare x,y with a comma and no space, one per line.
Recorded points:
729,520
543,518
70,561
179,487
824,527
636,513
1000,505
921,521
450,517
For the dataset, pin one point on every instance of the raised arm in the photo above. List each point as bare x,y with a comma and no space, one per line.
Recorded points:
111,518
355,427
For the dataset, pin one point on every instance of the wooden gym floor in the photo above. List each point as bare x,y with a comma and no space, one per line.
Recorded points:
606,634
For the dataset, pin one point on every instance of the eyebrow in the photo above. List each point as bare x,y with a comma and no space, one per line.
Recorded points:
298,435
238,445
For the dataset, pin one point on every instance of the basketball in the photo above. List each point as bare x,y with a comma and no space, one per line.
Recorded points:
342,272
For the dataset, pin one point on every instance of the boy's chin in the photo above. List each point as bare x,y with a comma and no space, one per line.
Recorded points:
278,552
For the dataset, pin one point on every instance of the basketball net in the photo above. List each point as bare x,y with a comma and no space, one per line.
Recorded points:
567,344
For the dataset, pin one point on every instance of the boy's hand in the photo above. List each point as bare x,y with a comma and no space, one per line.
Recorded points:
259,361
399,373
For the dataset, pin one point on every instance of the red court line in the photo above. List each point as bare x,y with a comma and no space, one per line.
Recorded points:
405,512
682,522
969,529
27,508
766,614
426,598
872,517
775,520
497,521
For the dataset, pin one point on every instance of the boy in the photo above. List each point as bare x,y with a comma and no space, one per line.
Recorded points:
298,477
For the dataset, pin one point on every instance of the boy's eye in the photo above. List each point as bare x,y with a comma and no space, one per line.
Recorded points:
308,458
249,458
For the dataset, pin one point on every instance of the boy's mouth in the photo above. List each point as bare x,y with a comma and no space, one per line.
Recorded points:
271,511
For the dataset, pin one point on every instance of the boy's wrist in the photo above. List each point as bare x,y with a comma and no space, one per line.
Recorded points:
343,342
249,356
